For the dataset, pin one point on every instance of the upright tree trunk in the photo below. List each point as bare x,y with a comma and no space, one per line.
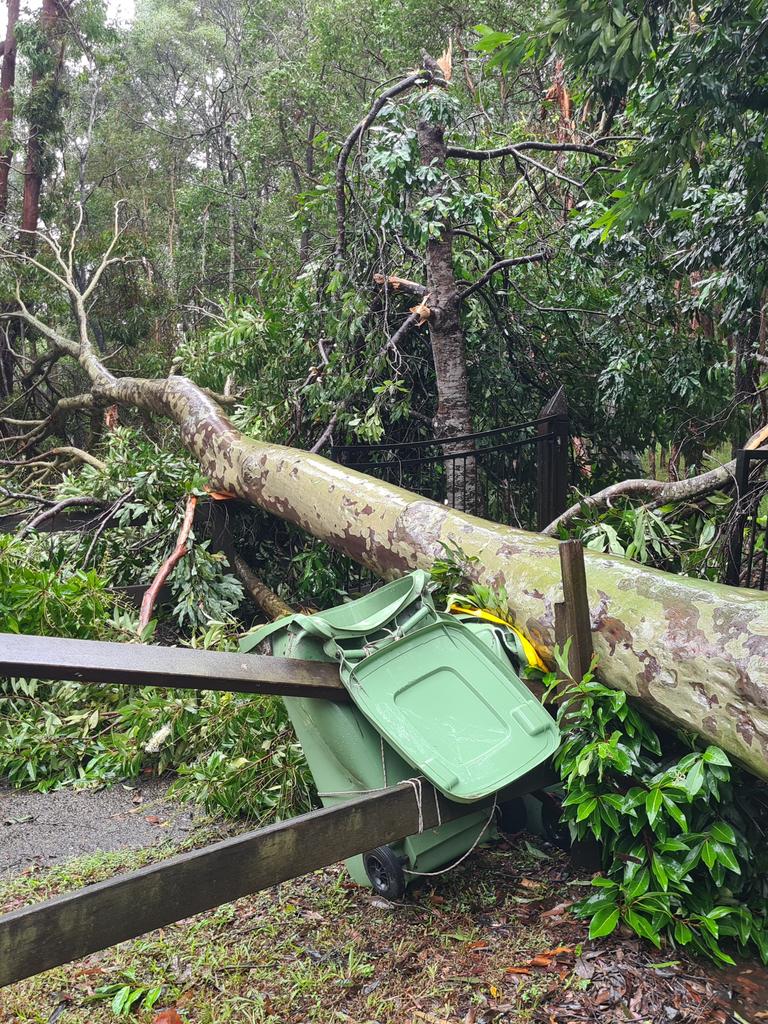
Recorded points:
7,86
42,78
10,328
453,415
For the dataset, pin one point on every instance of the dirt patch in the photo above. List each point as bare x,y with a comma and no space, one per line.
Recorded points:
38,830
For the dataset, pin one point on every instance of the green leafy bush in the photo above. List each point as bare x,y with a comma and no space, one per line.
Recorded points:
679,537
146,486
682,837
41,593
234,753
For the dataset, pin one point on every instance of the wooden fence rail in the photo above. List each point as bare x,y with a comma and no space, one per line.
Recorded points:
96,661
70,926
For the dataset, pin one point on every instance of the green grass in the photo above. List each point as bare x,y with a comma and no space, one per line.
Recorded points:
317,949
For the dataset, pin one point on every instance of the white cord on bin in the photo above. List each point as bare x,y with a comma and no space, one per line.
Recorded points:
443,871
416,785
381,789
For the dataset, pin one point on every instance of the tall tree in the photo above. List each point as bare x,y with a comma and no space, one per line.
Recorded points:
434,204
43,105
7,86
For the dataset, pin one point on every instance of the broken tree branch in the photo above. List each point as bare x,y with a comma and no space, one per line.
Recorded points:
657,492
269,602
401,284
53,510
78,453
148,602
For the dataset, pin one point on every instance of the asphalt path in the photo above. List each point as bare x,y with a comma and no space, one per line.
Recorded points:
41,829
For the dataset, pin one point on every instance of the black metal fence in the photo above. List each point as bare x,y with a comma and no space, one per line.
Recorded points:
516,474
747,558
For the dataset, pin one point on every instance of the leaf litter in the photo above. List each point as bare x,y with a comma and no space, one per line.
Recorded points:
493,942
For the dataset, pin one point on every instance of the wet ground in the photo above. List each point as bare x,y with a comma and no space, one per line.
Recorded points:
41,829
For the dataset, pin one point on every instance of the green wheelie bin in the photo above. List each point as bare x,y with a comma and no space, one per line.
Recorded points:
402,662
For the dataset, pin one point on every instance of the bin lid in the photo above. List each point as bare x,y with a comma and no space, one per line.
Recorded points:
453,709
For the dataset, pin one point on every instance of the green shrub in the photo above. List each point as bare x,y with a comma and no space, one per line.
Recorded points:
682,837
43,594
147,486
234,753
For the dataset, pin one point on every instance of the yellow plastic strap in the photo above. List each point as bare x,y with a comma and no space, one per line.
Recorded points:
529,650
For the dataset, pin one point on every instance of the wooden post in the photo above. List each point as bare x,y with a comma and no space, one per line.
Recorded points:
736,535
572,617
552,460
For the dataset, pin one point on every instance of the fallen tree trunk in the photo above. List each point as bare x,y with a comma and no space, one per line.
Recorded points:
695,653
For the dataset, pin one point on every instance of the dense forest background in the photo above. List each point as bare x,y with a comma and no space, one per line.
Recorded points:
266,198
218,127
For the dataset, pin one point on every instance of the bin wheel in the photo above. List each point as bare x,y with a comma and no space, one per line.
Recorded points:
555,830
513,816
385,872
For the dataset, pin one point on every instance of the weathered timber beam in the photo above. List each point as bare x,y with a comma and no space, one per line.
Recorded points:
70,926
96,661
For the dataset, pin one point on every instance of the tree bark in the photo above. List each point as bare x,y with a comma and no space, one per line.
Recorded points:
9,330
695,653
7,86
41,78
446,334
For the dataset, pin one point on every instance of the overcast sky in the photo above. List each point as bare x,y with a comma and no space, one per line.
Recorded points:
119,10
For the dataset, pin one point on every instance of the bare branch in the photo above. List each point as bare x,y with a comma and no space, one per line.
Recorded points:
405,328
148,602
23,313
549,170
516,148
78,453
49,513
73,239
514,261
107,259
658,492
320,442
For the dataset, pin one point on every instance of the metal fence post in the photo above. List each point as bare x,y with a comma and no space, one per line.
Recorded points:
736,537
552,460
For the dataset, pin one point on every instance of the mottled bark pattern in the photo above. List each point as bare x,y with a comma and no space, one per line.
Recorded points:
695,653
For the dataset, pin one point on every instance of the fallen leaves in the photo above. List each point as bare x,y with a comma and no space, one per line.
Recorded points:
169,1016
544,960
